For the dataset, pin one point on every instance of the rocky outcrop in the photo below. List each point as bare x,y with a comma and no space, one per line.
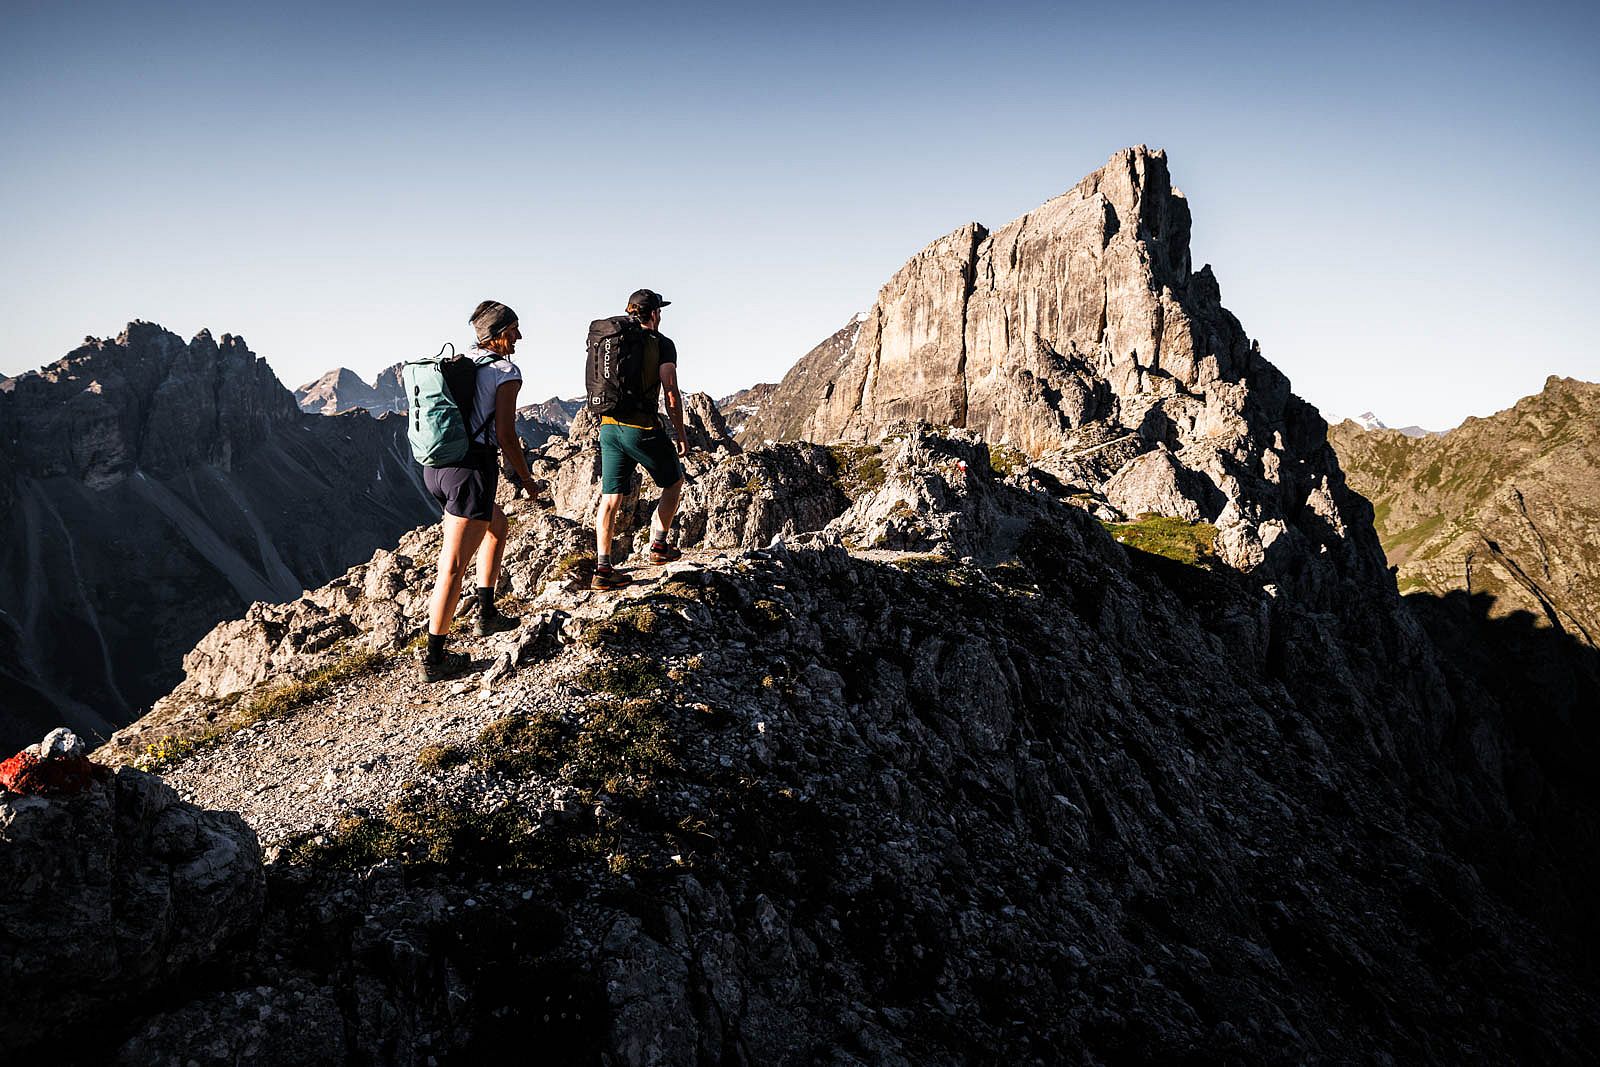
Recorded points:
1080,335
731,498
109,894
955,778
342,390
1503,506
152,487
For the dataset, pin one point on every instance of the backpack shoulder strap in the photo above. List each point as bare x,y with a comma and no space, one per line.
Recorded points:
482,360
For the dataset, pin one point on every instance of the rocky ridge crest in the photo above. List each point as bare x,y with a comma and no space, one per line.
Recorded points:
953,775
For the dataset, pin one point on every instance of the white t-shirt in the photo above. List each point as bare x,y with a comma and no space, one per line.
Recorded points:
491,376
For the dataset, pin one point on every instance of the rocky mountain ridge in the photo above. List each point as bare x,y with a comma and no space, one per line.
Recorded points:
1504,506
150,487
986,784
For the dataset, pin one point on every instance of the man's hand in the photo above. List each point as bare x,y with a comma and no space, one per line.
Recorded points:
683,444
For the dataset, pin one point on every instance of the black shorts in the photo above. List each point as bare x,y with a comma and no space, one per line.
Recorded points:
467,489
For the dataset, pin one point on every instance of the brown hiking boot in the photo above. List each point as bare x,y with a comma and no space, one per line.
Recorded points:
608,578
661,552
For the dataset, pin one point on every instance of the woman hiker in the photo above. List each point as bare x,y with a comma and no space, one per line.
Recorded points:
473,523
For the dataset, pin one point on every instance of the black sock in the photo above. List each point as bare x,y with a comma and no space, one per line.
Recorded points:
603,563
485,600
435,647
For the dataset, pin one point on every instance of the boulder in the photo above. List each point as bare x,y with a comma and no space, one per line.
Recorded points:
110,894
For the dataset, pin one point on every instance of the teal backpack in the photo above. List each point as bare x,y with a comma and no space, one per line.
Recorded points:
439,391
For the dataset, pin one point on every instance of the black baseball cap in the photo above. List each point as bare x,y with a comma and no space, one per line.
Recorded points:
646,300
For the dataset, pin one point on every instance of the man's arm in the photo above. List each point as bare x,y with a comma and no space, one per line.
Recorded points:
669,388
505,431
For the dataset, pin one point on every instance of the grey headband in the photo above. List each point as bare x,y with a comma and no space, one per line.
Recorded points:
490,318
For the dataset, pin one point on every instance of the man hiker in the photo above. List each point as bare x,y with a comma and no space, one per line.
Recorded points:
632,435
473,522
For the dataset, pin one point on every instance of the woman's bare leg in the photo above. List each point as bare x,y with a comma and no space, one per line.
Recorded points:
461,537
493,547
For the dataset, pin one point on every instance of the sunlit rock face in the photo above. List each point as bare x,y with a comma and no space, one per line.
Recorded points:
1080,335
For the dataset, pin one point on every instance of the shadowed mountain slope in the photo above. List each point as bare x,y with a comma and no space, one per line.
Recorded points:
151,488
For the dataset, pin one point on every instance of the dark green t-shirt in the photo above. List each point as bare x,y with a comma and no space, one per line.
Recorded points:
659,349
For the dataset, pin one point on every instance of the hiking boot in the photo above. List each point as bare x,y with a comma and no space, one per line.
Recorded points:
608,578
493,622
447,665
662,552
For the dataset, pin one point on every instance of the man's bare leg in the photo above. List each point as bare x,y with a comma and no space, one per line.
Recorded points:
605,520
661,521
605,523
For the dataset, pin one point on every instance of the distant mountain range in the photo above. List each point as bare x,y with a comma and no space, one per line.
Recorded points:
738,408
1369,421
343,390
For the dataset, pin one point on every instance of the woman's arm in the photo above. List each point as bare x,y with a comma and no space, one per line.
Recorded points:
505,431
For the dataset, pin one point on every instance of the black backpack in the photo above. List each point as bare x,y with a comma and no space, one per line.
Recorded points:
614,378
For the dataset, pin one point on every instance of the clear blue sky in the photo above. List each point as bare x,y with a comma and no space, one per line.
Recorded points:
1398,202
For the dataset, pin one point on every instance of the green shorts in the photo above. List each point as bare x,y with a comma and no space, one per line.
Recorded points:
621,447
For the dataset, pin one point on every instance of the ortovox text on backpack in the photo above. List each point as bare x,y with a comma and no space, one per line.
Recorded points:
614,378
439,391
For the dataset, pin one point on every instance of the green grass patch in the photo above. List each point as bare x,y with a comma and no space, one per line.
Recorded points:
628,678
623,746
420,829
859,468
520,745
440,757
1194,543
1403,543
636,620
1005,461
766,613
280,700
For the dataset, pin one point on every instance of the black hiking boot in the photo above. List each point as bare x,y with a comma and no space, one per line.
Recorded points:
492,622
448,665
661,552
608,578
